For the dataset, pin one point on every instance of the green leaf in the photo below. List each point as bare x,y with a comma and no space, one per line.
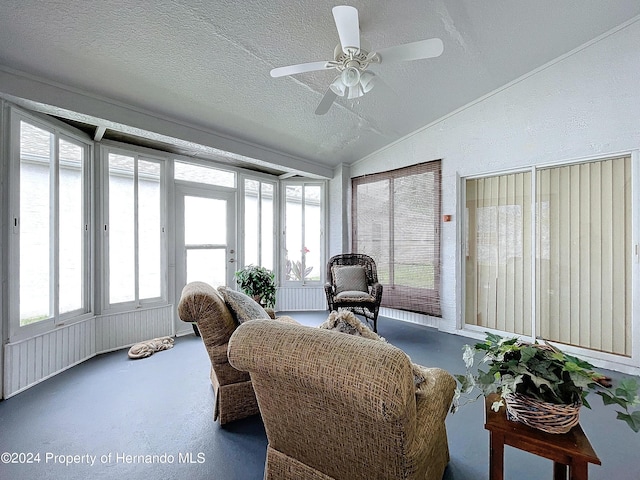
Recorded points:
468,355
628,389
467,383
633,420
495,406
579,380
580,363
539,381
609,399
527,353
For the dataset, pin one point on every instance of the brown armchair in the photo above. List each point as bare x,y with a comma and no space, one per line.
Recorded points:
234,396
352,284
339,406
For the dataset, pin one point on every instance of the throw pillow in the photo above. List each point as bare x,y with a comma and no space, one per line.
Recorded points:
349,278
242,307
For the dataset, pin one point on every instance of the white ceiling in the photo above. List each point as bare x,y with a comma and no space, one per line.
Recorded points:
205,64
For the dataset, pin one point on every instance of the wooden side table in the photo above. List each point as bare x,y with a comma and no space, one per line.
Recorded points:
571,452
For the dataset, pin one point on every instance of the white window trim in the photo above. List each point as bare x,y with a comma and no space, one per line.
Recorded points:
65,132
241,218
323,231
139,154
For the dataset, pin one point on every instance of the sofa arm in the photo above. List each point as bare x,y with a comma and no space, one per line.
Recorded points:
436,391
201,303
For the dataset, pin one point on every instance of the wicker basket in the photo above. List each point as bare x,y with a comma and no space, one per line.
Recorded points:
548,417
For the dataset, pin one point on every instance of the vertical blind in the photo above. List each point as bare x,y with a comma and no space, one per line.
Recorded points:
583,262
498,257
582,251
396,221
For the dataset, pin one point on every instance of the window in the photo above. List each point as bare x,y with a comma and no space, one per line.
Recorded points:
188,172
259,224
51,225
577,291
396,221
134,228
304,231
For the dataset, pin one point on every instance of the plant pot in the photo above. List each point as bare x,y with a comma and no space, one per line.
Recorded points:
545,416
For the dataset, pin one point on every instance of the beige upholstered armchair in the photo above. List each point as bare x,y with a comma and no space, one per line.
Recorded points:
217,313
234,397
339,406
352,284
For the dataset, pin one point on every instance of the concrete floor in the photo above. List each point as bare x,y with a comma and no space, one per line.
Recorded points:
117,413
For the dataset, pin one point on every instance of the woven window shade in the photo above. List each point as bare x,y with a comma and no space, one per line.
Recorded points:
396,221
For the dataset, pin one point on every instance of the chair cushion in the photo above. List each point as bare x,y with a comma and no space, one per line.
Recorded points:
349,278
355,295
243,307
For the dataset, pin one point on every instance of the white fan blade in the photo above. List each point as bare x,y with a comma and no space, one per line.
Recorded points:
348,26
326,102
300,68
412,51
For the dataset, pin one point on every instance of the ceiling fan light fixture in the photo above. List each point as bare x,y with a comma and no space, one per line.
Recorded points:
350,76
352,56
355,92
367,81
338,87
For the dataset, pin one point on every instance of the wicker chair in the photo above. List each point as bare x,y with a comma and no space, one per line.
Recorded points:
352,284
339,406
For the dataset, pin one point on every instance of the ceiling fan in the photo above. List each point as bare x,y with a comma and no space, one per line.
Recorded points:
352,62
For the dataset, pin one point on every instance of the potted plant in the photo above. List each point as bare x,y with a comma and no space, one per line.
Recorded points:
259,283
538,383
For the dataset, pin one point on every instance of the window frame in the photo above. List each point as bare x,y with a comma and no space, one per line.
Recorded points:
64,132
399,296
283,236
241,226
606,357
145,155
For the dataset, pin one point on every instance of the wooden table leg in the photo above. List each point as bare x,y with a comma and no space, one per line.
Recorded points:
496,456
559,471
579,470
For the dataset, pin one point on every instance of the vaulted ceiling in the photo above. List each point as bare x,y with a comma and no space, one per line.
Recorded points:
204,65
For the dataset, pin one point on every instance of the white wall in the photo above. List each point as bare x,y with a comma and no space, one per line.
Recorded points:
339,212
584,104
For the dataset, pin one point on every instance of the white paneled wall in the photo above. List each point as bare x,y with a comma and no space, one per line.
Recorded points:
35,359
412,317
30,361
122,329
301,298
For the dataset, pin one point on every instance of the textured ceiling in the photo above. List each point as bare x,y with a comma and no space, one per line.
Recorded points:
205,64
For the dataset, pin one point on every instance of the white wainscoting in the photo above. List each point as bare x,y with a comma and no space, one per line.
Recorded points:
32,360
301,298
35,359
123,329
412,317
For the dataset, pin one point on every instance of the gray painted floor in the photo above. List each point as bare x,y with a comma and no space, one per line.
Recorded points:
111,409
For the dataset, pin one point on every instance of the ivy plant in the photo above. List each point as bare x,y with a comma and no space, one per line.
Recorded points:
543,372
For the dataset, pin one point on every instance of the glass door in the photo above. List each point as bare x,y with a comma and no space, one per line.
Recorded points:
205,238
